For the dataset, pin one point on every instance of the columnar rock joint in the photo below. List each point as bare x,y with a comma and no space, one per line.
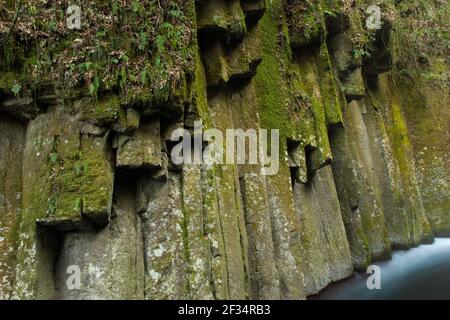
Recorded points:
86,176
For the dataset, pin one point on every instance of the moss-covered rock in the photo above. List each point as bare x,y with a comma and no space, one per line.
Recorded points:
12,142
86,117
141,150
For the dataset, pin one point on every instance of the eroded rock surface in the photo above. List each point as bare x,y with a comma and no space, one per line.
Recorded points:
87,182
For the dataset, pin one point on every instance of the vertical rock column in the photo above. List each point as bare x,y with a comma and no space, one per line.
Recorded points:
12,142
290,98
68,184
110,260
231,60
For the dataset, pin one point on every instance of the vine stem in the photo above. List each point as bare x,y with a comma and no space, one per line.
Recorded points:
16,18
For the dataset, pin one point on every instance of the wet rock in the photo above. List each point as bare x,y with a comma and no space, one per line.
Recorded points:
21,108
121,276
222,17
254,9
166,265
354,87
326,251
97,180
197,243
12,143
215,64
102,111
345,61
264,281
142,149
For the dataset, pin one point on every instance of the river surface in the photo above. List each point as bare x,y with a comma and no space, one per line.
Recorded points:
419,273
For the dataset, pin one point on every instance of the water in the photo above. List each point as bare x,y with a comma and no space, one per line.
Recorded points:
419,273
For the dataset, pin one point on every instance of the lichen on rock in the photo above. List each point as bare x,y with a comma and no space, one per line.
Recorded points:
86,117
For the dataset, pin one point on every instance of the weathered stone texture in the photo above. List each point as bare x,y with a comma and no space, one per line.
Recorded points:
87,179
12,142
142,149
326,252
110,260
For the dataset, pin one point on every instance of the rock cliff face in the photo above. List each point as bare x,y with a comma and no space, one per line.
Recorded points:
86,117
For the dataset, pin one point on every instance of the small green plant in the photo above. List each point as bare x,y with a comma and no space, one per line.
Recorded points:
77,169
330,13
53,157
85,167
77,204
219,21
122,39
175,13
100,34
360,53
143,41
137,7
94,86
52,204
143,76
15,89
52,26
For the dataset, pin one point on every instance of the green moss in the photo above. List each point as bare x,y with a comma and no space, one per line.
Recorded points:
214,235
103,110
404,154
399,136
97,179
199,91
213,14
271,90
106,59
237,26
304,22
222,15
330,93
186,255
425,111
313,125
401,143
421,32
7,80
12,134
64,178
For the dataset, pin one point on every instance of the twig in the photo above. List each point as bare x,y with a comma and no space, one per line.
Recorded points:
16,18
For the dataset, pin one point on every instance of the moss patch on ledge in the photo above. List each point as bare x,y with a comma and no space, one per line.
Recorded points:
141,48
